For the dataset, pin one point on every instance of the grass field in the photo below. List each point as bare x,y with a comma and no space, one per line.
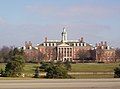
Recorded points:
2,66
94,67
86,67
28,69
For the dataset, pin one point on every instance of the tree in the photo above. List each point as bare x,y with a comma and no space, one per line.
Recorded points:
44,65
2,73
117,54
15,66
67,65
48,52
55,70
84,55
15,62
41,56
100,55
37,73
4,54
54,54
31,55
11,53
117,72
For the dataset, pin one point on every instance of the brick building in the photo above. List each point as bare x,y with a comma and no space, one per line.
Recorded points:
104,53
30,53
64,49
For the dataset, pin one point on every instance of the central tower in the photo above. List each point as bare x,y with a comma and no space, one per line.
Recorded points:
64,35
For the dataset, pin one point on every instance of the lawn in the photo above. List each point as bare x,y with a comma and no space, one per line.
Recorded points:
80,67
94,67
28,69
2,66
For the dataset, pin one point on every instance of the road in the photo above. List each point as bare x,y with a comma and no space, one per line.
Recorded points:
61,84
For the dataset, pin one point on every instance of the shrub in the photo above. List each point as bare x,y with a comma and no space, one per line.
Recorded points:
1,73
37,73
117,72
55,70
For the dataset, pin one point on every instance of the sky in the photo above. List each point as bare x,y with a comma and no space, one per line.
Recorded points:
32,20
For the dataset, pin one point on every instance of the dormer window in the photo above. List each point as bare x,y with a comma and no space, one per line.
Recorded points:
47,44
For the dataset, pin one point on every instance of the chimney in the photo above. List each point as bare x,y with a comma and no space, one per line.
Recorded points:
81,39
105,43
101,43
46,39
30,43
25,43
96,44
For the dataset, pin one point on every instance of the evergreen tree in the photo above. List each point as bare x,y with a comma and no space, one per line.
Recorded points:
1,73
56,72
67,65
117,72
37,73
15,66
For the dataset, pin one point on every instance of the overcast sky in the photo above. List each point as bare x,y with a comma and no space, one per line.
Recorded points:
32,20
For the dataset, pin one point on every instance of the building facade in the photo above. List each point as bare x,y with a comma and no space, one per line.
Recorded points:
104,53
64,49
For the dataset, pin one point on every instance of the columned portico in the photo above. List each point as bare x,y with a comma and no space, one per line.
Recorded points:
64,52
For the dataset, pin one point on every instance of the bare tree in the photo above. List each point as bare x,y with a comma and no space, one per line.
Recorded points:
54,54
41,56
83,55
99,54
4,54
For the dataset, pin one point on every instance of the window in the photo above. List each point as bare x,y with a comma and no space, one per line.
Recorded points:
54,44
47,44
51,44
74,44
81,44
